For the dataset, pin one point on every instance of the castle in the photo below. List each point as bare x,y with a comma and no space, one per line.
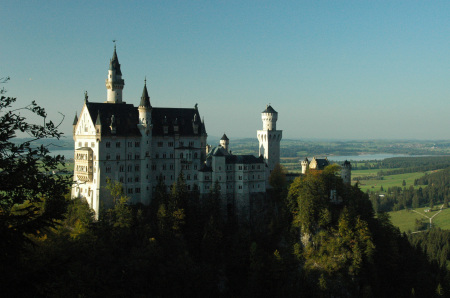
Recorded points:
135,146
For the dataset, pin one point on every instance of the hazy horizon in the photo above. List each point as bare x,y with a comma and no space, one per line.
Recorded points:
333,70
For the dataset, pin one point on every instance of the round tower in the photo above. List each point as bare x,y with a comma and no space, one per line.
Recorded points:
224,142
346,172
114,82
269,117
305,164
269,139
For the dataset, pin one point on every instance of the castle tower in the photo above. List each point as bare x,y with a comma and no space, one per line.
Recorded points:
305,164
269,138
145,127
224,142
145,108
114,82
346,172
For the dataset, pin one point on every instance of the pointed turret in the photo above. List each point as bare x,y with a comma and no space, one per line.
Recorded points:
145,99
114,63
98,126
75,122
145,110
114,82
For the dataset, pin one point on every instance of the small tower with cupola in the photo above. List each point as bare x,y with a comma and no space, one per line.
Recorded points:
224,142
114,82
305,164
269,139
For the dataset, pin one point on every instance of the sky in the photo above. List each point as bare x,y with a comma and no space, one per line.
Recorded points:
331,69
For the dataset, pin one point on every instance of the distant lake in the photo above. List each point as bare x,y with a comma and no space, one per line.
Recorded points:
69,153
380,156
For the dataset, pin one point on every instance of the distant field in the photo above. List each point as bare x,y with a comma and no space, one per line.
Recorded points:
406,220
388,181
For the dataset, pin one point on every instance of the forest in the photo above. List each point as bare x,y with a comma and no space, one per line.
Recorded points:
317,237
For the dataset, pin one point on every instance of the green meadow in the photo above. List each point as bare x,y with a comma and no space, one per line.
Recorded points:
386,181
405,220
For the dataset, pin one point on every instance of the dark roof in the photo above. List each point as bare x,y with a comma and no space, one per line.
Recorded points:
145,99
218,151
322,163
269,109
224,138
184,117
243,159
126,118
205,168
114,63
75,121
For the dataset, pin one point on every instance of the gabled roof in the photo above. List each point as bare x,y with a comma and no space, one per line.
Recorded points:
269,109
126,118
321,163
184,117
75,121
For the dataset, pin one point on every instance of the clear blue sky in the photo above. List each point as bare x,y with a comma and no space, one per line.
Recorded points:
332,69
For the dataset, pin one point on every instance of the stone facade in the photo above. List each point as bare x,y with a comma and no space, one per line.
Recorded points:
137,145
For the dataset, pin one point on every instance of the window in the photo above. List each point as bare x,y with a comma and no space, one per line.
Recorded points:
136,179
136,168
92,144
108,144
130,190
171,155
108,156
117,144
171,167
121,179
181,155
153,167
164,167
117,156
181,144
160,144
130,144
130,179
191,144
122,168
156,155
81,144
188,177
137,144
137,156
240,177
138,190
195,155
195,167
195,176
170,144
130,168
108,169
129,156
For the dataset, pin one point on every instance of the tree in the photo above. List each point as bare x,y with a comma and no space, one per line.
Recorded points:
31,191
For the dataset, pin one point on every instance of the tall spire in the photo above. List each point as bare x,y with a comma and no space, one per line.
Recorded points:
114,82
145,99
114,63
